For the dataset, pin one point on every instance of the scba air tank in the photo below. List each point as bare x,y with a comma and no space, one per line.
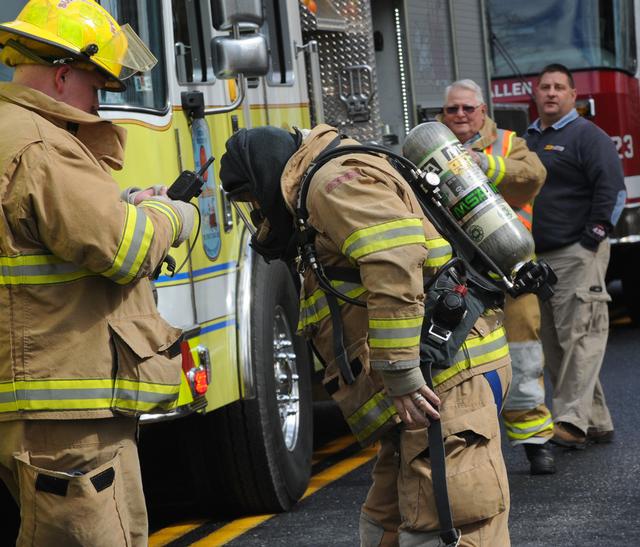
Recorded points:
469,196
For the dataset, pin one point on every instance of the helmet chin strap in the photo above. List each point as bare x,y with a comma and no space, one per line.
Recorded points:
29,54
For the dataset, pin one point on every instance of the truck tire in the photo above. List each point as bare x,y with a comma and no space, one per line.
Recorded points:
262,447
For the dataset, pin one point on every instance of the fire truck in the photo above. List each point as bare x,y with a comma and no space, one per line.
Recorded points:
240,439
597,41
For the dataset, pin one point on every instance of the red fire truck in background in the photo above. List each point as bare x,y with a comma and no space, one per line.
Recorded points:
596,39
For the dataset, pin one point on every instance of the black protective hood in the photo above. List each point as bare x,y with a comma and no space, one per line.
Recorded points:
252,166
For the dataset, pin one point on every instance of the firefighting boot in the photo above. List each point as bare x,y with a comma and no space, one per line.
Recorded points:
541,459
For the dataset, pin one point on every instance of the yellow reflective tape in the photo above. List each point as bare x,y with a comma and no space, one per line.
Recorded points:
478,360
130,217
142,251
136,239
512,434
148,387
311,312
388,235
365,408
491,170
437,261
501,170
390,343
143,406
40,269
396,323
395,333
510,136
167,211
90,394
30,260
440,252
529,424
383,418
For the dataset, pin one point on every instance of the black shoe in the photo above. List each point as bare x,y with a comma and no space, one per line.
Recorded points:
541,459
598,436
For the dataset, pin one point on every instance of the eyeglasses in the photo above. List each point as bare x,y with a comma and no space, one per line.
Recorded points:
466,108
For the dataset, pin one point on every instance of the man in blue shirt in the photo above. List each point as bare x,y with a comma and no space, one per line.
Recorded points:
573,215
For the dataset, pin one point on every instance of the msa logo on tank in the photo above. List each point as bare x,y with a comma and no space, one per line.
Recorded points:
207,200
467,193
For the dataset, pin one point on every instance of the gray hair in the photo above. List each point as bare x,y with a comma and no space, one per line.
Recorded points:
465,84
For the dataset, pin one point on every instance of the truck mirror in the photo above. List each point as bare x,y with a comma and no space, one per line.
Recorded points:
247,55
227,13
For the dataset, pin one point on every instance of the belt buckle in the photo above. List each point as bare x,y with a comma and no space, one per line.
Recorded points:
439,332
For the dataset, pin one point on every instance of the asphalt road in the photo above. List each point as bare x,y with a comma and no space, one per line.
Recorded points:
593,500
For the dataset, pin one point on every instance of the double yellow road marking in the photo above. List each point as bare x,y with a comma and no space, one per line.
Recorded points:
236,528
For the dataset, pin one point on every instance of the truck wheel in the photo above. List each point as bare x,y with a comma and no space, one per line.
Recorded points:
263,445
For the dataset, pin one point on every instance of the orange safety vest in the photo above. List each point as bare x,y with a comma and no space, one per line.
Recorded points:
502,147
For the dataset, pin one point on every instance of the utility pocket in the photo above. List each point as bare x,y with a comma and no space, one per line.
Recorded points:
147,378
72,509
476,476
592,314
365,406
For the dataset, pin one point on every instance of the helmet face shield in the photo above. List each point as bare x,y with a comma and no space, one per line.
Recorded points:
125,54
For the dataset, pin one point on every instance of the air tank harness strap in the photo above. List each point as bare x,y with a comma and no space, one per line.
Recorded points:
307,253
452,305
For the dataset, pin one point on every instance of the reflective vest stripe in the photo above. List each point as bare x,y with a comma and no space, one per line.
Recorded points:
491,169
496,166
507,142
315,308
136,240
388,235
525,214
500,170
525,430
86,394
38,270
475,352
496,169
167,211
395,333
439,252
371,416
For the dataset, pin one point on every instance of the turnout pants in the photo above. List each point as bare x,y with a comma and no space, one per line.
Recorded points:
526,417
77,482
574,332
400,508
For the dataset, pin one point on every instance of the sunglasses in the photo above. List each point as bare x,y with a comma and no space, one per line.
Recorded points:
466,108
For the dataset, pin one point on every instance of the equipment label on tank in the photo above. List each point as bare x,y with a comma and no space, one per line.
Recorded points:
469,202
488,220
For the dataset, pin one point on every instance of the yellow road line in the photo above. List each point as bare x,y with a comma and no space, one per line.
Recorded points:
167,535
332,448
238,527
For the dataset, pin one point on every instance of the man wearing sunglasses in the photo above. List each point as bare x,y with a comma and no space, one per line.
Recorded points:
518,175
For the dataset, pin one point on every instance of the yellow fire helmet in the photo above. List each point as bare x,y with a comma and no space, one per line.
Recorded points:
54,32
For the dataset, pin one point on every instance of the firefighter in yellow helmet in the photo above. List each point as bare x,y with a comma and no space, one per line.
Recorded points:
79,33
83,350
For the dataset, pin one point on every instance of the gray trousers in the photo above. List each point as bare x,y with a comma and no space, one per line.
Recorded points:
574,330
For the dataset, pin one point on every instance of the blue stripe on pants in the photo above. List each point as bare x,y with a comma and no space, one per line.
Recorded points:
496,386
